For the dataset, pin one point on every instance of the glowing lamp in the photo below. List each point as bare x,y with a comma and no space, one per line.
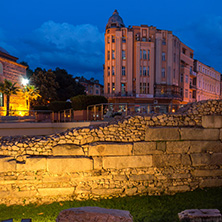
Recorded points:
25,82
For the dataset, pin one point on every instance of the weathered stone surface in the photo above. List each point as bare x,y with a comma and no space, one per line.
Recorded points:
205,147
163,134
211,183
32,164
177,147
167,160
212,121
206,173
126,162
140,148
67,150
107,192
175,189
199,134
110,149
200,159
7,164
141,177
61,165
91,214
56,191
196,215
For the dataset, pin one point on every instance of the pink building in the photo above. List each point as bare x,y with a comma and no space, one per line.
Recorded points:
146,65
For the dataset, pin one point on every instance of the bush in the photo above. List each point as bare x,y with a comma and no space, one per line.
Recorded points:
81,102
40,108
59,105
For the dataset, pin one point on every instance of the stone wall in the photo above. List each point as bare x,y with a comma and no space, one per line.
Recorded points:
158,154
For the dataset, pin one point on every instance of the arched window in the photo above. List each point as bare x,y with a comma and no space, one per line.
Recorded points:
1,69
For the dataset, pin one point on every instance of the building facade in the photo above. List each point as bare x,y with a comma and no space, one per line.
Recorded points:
146,65
92,86
15,72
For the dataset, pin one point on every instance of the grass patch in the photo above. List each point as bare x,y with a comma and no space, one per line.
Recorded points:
143,209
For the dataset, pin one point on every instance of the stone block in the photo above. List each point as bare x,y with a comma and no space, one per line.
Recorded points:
91,214
161,146
186,161
166,160
177,147
97,163
144,148
64,191
221,135
200,159
127,162
25,193
211,182
212,121
32,164
205,146
62,165
216,159
110,149
196,215
67,150
7,164
162,134
206,173
199,134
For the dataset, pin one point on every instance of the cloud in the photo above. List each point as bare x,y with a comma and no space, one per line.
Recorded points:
77,48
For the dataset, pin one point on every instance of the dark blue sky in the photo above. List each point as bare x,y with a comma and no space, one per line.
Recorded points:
69,34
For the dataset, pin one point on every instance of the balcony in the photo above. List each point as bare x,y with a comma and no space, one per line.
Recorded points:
193,86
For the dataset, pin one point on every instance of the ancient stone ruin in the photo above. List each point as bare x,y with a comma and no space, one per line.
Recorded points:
138,155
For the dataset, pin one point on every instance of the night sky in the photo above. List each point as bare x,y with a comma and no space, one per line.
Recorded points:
69,34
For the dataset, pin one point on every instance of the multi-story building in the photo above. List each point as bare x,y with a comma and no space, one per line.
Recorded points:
92,86
208,81
146,65
15,72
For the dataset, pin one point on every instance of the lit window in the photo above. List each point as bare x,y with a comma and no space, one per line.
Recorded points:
113,87
123,88
123,70
163,73
113,54
113,71
144,88
186,93
144,54
113,39
144,71
186,79
1,99
123,54
163,56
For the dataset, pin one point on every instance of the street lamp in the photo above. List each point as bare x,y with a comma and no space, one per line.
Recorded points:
25,81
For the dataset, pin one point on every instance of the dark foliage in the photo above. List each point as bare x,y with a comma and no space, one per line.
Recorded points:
81,102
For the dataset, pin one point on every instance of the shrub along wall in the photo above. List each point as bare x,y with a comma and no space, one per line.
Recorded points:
139,155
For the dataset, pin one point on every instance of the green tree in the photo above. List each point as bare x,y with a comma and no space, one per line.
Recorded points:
29,72
31,93
68,87
8,88
45,81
